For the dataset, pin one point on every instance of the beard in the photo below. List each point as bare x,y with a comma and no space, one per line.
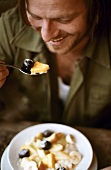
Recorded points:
70,43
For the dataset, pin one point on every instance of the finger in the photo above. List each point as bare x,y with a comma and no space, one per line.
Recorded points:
4,73
2,67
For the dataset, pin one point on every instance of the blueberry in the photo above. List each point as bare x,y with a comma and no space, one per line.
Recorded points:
45,145
61,168
47,133
26,70
27,65
24,153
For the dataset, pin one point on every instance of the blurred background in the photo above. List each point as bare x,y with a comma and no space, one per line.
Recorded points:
6,4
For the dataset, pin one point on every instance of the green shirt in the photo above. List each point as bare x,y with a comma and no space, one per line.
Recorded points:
36,98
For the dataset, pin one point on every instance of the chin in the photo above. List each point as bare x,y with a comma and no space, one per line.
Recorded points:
58,50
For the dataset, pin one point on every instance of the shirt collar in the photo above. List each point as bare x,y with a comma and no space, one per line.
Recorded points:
28,39
97,50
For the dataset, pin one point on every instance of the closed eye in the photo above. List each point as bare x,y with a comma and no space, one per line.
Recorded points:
66,20
63,20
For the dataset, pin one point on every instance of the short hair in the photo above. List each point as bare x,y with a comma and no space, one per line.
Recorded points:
97,13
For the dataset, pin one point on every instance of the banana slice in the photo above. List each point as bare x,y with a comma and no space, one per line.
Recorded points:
56,148
70,139
75,157
41,153
61,156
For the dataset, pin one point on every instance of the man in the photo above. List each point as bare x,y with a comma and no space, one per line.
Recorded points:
73,37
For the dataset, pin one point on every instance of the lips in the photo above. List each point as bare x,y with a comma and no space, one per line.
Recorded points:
58,39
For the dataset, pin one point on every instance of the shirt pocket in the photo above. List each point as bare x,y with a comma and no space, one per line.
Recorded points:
98,98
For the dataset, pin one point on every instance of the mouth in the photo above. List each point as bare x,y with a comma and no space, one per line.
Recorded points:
58,39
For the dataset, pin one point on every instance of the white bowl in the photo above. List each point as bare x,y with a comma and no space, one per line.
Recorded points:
20,139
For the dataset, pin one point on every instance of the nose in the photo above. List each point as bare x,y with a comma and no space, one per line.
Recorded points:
48,30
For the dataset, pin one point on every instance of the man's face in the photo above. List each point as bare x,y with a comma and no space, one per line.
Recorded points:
61,23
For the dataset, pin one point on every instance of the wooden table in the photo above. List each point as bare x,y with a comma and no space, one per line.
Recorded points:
99,138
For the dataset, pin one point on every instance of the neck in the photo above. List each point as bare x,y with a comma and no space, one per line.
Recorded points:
66,62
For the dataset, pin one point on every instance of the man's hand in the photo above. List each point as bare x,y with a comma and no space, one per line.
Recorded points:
4,72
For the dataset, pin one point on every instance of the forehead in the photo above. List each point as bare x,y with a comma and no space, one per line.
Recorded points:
52,7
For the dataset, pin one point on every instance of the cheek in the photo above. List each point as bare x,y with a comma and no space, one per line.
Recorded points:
82,24
78,26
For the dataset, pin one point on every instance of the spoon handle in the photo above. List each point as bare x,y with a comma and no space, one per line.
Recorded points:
8,65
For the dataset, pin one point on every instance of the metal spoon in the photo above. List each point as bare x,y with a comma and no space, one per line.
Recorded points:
20,69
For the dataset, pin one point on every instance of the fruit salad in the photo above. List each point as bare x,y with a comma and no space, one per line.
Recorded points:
50,150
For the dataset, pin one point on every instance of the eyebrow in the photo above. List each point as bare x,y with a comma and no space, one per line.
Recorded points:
35,16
